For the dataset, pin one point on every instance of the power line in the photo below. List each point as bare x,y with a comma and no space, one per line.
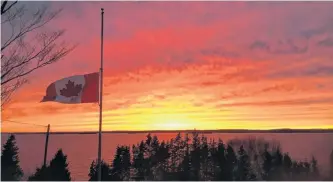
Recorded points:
18,122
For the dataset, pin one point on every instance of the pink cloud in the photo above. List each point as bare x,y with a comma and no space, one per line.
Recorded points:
239,53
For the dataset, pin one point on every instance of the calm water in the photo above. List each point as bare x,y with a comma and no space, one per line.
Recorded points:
82,149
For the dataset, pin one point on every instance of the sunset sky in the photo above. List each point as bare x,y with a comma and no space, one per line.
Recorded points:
186,65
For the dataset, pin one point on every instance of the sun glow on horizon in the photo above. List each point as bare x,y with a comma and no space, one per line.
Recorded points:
194,72
171,122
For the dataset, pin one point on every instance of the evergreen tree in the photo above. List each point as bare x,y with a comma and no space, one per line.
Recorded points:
151,165
151,149
267,164
185,167
93,171
126,163
200,160
301,171
162,157
10,168
204,160
56,171
314,169
176,157
244,166
176,154
277,165
195,157
295,170
278,158
59,167
213,160
222,164
116,166
287,166
139,162
154,150
231,160
181,151
306,169
121,164
331,166
41,174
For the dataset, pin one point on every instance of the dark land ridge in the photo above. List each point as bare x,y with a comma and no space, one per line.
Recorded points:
190,131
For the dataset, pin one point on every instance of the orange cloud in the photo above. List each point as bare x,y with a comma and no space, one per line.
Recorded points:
185,65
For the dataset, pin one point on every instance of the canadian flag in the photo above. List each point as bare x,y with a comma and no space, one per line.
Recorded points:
74,89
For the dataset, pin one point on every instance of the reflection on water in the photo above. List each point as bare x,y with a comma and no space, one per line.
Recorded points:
81,149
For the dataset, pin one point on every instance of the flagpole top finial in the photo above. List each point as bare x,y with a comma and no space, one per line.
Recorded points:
102,10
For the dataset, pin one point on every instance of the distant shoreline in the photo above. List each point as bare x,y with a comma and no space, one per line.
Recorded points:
190,131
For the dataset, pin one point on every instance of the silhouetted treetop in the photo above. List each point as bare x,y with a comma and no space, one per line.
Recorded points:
10,168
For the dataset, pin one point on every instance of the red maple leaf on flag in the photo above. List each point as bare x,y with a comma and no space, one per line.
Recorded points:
71,89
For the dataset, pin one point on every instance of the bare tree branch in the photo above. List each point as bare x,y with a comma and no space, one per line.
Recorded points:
8,90
35,24
28,47
30,57
4,4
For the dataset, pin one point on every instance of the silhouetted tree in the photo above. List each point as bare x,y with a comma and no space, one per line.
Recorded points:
162,157
314,169
267,165
93,171
273,165
244,166
116,166
56,171
175,161
185,166
121,164
301,171
278,164
296,171
175,155
213,159
151,158
182,160
154,150
204,160
10,168
59,167
195,157
331,166
139,162
148,155
219,159
126,163
41,174
231,159
287,166
306,169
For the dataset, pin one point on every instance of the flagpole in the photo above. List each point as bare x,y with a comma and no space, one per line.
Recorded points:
100,103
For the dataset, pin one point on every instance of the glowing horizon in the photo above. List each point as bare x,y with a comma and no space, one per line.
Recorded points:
186,65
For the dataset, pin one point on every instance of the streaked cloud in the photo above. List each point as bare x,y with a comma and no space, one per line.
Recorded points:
205,65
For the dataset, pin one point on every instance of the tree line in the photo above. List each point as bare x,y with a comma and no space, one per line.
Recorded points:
183,158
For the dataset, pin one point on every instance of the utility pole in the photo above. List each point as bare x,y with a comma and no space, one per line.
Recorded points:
46,144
